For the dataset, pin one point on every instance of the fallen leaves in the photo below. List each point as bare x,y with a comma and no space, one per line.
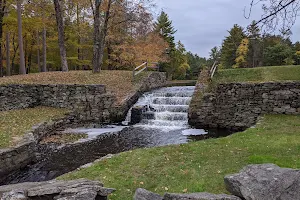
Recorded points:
14,124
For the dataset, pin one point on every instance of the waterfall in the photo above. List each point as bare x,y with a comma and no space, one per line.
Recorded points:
166,108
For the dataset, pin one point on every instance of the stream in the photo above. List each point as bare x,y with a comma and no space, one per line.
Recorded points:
164,122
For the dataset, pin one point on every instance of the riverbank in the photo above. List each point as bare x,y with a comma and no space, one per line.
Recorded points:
199,166
15,123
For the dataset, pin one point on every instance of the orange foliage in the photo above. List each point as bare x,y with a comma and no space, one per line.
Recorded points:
151,48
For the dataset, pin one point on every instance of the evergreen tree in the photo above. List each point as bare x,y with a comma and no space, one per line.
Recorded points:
214,54
230,46
165,28
255,45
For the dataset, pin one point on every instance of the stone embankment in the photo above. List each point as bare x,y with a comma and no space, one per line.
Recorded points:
254,182
87,104
237,106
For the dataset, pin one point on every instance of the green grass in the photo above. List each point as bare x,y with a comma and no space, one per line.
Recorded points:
260,74
14,124
199,166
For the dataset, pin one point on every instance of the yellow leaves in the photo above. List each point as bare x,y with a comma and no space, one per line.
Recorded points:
242,52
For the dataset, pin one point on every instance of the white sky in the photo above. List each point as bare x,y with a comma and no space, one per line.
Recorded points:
203,24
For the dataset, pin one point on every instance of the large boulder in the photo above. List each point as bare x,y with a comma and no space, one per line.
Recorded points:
57,190
265,182
142,194
200,196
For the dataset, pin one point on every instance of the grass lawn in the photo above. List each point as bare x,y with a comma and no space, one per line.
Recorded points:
260,74
199,166
13,124
118,82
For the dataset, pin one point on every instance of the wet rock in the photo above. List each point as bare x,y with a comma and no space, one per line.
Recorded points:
142,194
76,189
200,196
136,114
265,182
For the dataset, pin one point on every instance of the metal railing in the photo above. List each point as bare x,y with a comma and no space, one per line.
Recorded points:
213,69
143,67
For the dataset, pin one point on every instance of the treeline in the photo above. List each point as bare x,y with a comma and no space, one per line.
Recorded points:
107,34
63,35
247,48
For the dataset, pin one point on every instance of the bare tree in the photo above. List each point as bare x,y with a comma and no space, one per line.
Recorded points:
277,13
61,34
22,69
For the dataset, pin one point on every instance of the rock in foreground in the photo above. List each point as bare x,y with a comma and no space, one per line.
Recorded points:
142,194
58,190
200,196
265,182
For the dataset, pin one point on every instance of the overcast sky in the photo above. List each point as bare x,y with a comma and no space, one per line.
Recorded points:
203,24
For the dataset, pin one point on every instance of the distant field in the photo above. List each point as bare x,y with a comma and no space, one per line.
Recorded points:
118,82
260,74
14,124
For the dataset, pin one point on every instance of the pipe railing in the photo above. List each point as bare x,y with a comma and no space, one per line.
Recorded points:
213,69
143,67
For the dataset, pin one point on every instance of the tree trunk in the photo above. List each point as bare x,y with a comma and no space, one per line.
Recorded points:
8,68
2,12
99,36
38,51
44,67
22,69
61,34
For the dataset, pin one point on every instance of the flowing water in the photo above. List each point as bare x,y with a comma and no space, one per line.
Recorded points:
164,122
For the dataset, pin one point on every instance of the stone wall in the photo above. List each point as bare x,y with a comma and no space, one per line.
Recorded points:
87,103
238,105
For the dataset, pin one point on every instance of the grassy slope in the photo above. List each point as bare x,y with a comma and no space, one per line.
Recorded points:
261,74
199,166
13,124
118,82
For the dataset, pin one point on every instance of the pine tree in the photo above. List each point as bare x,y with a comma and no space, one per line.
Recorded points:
255,45
230,46
165,28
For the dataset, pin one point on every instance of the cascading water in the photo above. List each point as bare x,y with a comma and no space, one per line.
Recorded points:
165,109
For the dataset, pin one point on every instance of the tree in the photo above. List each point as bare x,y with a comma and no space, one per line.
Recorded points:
230,46
165,28
196,63
61,34
215,54
20,38
279,54
255,57
242,52
277,13
179,62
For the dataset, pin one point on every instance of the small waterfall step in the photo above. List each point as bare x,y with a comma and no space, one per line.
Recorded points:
165,108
